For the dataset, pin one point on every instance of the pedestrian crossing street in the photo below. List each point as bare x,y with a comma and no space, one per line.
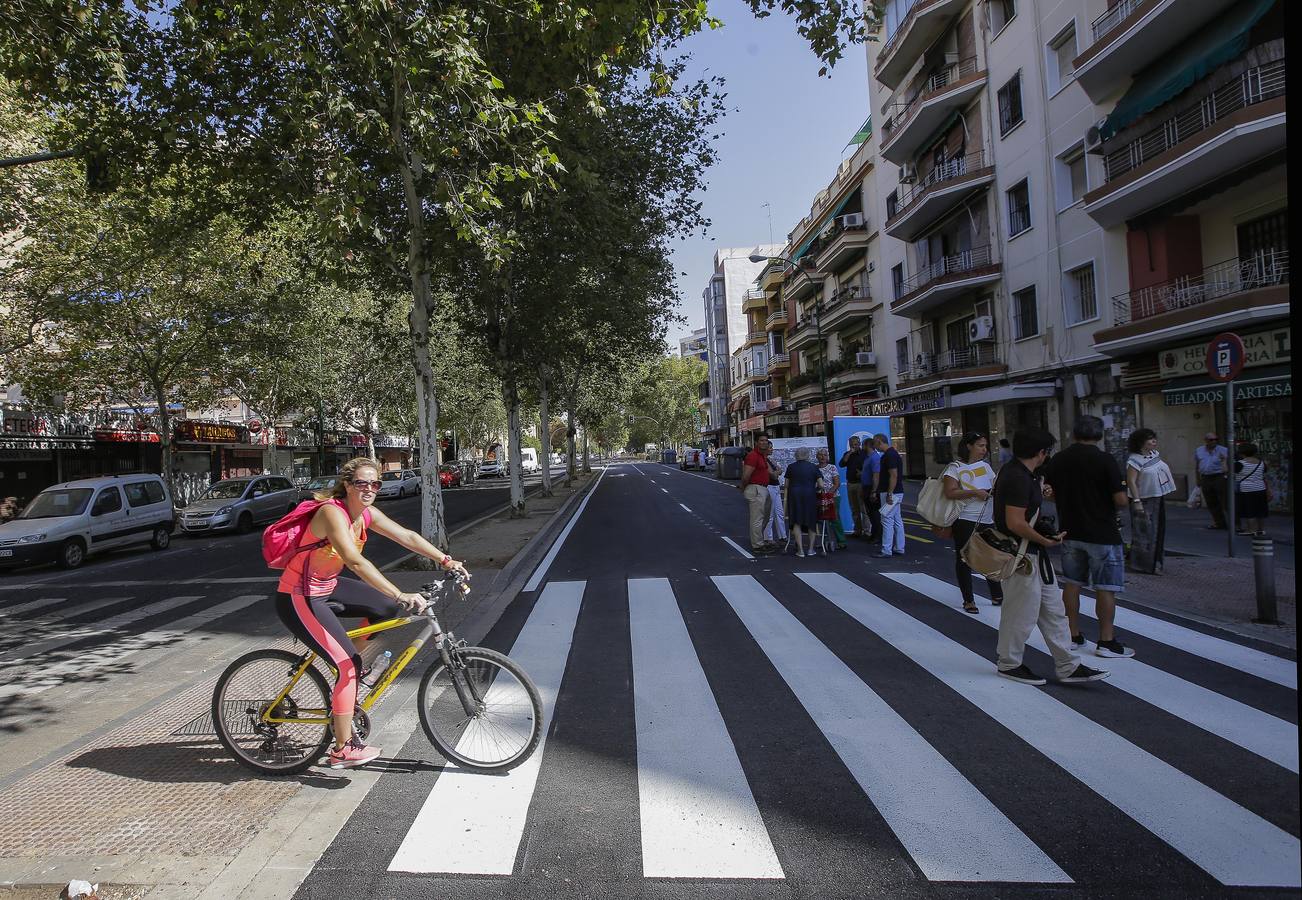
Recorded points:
1159,744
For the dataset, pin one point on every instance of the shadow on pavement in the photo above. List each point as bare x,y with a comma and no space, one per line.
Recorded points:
184,762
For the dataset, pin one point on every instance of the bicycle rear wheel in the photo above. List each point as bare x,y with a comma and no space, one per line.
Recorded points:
484,714
244,692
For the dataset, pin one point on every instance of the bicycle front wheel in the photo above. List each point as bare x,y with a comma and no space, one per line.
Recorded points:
247,690
484,714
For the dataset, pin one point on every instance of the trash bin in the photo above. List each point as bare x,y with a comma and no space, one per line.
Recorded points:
728,463
669,457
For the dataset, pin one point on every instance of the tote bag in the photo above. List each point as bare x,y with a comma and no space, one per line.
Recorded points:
935,507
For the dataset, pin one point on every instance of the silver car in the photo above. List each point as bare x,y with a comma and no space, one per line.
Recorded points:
240,503
398,484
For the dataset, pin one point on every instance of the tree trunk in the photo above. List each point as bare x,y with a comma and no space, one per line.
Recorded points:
587,462
511,397
569,447
432,526
370,445
165,435
544,434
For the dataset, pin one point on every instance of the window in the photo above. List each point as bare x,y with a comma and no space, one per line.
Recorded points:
1265,236
1010,105
1070,178
897,281
1001,13
892,204
109,500
143,493
1019,208
1026,320
958,334
1062,53
1082,303
902,355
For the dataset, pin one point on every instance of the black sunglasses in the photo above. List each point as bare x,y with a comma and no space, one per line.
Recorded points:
366,485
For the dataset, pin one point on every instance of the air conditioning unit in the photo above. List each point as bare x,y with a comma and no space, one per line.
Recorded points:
851,220
1093,138
982,328
908,174
865,359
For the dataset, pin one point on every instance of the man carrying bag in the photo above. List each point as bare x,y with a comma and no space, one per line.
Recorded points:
1031,593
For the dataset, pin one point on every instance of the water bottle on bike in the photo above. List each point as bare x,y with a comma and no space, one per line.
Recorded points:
377,668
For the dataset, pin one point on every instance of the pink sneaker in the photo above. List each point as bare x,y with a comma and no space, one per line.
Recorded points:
353,753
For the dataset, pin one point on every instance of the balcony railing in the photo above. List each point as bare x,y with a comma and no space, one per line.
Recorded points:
926,365
899,114
1258,84
779,362
777,317
1234,276
955,264
1114,17
950,170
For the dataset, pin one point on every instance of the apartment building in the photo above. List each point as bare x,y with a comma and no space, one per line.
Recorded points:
726,331
1074,197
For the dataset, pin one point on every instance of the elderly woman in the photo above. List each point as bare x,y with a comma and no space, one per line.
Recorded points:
803,481
828,499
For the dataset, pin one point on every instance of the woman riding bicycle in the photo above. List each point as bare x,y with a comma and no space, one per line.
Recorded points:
311,597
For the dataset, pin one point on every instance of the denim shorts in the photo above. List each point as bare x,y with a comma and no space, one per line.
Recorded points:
1102,565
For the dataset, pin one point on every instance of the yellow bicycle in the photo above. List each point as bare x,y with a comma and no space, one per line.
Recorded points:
271,707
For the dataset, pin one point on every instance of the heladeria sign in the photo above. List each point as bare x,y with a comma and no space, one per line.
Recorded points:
1260,348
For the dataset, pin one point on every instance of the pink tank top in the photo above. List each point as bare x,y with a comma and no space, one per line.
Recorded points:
323,564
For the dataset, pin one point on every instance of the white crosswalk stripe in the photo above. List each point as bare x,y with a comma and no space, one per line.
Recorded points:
58,613
72,635
473,825
1230,843
697,814
1252,729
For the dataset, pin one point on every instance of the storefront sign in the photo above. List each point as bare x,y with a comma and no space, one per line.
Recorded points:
392,440
902,406
295,437
254,425
754,423
781,418
21,421
812,415
193,432
1260,348
1215,393
115,435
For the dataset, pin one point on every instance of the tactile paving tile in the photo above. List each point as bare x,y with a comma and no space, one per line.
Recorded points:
141,789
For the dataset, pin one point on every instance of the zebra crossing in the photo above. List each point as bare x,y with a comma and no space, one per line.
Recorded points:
701,814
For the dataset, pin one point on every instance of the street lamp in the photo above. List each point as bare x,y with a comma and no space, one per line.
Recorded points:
818,331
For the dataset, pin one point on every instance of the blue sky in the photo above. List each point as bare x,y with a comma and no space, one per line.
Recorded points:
782,139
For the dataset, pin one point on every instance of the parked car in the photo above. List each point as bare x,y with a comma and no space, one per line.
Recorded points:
320,484
491,468
67,522
449,476
398,483
240,503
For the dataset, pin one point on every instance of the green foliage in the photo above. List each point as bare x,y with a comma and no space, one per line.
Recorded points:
663,404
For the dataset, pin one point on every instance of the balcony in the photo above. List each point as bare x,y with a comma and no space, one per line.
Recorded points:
1233,126
770,277
800,284
803,387
756,339
755,301
946,279
779,363
1133,33
848,304
804,334
976,362
1230,294
939,192
844,246
947,91
776,321
925,21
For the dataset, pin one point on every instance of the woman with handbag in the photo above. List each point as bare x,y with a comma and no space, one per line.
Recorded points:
969,481
827,499
1148,481
1251,493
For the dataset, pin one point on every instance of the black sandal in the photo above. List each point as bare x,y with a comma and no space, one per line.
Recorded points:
971,608
999,602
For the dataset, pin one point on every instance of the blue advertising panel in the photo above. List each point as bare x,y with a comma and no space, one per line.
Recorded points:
844,428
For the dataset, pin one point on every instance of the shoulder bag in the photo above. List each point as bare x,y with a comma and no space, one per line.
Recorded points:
934,506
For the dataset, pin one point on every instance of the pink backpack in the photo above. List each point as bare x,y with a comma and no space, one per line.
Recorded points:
281,539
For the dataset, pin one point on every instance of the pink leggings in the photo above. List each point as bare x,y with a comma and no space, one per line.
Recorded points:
315,622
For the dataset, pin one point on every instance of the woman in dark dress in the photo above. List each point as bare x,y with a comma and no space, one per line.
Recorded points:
803,481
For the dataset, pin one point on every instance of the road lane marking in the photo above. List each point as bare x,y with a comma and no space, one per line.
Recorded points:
1227,841
49,616
914,537
105,627
664,490
698,815
1258,732
473,824
949,828
541,572
684,506
730,542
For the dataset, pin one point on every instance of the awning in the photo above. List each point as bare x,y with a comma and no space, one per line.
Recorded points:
1205,50
1002,393
865,131
813,235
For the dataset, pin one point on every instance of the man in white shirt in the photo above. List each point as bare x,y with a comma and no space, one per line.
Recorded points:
1211,466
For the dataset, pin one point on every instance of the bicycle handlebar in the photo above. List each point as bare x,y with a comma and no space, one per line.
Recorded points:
431,590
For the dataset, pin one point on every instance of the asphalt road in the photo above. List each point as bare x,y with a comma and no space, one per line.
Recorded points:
724,727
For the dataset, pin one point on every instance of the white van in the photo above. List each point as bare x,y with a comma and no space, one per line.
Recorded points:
528,460
67,522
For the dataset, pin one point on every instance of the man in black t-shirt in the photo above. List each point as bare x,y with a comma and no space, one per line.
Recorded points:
1031,595
852,461
1088,489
